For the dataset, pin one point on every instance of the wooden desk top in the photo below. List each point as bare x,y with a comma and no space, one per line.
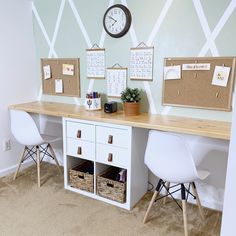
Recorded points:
207,128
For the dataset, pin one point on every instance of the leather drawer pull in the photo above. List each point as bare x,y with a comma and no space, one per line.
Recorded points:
110,139
79,134
110,155
79,150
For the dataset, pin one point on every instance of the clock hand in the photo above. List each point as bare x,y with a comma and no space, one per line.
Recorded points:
112,18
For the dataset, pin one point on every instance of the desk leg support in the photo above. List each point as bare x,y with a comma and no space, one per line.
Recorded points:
167,189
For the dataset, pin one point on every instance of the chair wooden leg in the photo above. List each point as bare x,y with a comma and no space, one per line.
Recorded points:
21,160
198,200
155,195
184,208
38,165
185,217
167,186
54,157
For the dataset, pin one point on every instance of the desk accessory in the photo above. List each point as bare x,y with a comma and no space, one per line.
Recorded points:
93,101
110,107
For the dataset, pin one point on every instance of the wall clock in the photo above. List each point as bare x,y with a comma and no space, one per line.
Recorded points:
117,20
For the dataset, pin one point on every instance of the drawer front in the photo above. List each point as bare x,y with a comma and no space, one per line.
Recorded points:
112,136
112,155
79,148
80,131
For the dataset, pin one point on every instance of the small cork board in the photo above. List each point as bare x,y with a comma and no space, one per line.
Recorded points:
69,81
195,88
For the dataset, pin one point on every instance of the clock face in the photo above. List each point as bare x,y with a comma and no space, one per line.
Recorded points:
117,20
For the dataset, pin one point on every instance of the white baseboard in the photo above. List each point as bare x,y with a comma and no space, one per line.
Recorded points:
13,168
24,165
214,205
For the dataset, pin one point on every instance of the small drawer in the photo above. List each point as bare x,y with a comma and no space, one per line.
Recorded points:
80,131
112,136
79,148
112,155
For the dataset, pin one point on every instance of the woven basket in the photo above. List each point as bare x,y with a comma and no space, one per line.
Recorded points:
81,176
109,188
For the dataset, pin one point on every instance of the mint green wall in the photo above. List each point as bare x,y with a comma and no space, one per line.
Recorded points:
180,34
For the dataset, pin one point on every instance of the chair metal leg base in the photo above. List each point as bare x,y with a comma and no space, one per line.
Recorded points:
167,189
34,153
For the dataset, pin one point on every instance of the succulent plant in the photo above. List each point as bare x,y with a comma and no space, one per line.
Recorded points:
130,95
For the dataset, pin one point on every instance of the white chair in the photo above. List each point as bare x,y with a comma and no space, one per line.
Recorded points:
169,158
36,145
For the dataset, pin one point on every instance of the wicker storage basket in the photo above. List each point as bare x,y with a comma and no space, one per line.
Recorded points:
108,187
81,176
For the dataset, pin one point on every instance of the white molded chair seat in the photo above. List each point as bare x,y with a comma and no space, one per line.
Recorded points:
26,132
169,157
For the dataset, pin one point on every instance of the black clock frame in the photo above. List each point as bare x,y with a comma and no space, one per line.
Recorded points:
128,21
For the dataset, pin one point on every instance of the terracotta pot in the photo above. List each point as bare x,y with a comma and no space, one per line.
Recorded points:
131,108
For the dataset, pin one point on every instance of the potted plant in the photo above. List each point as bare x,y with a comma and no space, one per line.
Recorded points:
130,98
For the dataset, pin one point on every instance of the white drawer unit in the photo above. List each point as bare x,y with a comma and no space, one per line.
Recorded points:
112,136
115,156
80,131
79,148
106,145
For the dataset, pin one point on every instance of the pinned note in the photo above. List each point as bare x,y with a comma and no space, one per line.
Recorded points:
67,69
172,72
196,66
58,86
47,72
221,76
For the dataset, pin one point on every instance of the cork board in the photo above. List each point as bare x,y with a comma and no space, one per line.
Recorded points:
195,88
70,83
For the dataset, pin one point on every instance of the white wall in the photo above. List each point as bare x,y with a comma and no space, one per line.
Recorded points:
17,66
228,221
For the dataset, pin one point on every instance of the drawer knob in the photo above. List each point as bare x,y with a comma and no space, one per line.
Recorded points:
110,139
79,151
110,156
79,134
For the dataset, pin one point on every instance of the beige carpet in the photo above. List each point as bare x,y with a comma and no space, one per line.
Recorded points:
51,210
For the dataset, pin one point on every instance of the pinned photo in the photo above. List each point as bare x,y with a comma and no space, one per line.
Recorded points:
67,69
221,76
172,72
